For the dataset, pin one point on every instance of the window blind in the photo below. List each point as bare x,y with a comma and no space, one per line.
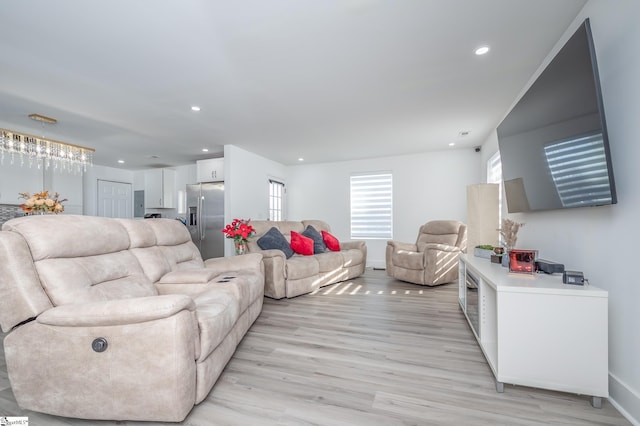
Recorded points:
371,206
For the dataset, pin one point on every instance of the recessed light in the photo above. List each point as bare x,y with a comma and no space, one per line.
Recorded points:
482,50
121,161
300,159
452,143
205,149
195,108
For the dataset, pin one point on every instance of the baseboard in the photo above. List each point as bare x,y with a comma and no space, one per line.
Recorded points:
376,264
625,399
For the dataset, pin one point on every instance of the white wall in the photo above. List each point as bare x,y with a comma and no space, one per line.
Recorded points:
15,178
602,241
426,186
90,185
246,184
69,186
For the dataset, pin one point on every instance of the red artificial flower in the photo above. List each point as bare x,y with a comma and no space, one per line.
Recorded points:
239,229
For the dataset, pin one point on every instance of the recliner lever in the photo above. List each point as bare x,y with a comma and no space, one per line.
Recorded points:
99,345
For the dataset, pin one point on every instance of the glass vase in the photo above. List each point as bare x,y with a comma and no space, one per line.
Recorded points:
240,246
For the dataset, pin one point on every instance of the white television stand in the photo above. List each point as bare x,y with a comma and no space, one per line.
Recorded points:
536,331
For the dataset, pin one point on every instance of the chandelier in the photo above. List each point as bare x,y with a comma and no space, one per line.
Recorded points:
43,152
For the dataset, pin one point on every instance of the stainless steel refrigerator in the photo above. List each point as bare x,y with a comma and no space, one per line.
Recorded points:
205,217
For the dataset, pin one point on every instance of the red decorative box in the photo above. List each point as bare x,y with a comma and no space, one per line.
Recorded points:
523,261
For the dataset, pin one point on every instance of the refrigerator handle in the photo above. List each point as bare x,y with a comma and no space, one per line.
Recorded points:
202,216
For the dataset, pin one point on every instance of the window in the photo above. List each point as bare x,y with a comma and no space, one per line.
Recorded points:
494,169
494,175
371,205
276,199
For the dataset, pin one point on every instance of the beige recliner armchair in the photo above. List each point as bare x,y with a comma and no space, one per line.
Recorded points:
433,259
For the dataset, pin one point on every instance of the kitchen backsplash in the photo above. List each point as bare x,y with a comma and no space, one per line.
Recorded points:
9,211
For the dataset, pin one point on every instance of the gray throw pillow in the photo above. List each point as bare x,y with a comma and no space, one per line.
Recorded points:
273,239
318,242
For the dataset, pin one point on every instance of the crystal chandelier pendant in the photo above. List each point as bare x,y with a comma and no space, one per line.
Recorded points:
43,152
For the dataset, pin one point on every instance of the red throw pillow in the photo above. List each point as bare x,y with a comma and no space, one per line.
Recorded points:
301,244
332,242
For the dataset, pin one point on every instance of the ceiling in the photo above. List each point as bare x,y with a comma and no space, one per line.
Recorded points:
326,80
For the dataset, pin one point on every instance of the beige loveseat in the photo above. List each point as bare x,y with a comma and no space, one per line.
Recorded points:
118,318
304,274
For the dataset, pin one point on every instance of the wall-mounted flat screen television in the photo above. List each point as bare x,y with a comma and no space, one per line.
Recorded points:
553,144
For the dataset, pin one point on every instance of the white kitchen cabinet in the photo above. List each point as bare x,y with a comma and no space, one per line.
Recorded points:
159,188
211,170
536,331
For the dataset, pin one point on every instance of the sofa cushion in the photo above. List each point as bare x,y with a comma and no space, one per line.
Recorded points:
217,310
408,259
68,237
332,242
302,267
94,278
140,232
330,261
301,244
183,256
154,264
440,232
318,243
273,239
320,225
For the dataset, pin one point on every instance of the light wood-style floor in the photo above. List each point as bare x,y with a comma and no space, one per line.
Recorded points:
371,351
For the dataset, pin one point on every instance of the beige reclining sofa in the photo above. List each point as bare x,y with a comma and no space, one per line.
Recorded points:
118,318
303,274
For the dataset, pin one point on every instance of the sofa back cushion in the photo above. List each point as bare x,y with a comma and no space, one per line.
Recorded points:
175,243
162,246
319,225
263,226
93,278
285,227
447,232
82,259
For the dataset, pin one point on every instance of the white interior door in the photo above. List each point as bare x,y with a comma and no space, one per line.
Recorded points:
115,199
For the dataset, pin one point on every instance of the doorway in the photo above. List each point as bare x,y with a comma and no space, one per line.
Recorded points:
114,199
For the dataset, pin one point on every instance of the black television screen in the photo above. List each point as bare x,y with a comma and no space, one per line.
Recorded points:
553,143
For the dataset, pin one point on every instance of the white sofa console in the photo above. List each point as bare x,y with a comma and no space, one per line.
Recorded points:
536,331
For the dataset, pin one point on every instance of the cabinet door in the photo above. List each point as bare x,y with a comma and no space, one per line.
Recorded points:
211,170
168,188
153,189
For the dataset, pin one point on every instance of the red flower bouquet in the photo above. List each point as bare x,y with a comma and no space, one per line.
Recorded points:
240,231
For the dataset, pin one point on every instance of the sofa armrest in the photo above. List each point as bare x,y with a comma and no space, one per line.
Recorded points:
271,253
357,244
274,262
402,246
117,312
221,265
188,276
441,247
